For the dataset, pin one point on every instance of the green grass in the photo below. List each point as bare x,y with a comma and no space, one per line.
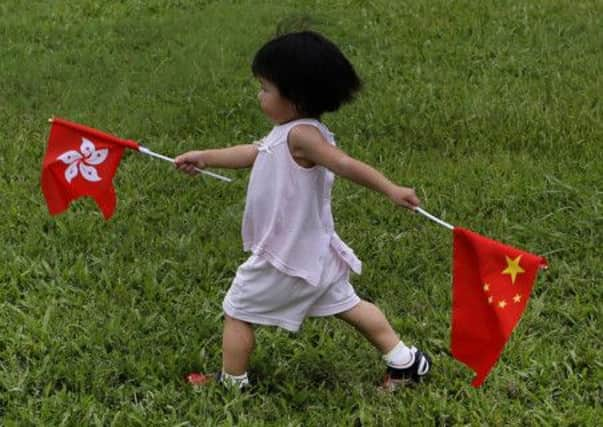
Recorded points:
492,110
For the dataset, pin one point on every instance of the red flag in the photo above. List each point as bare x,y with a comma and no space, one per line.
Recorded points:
81,161
492,283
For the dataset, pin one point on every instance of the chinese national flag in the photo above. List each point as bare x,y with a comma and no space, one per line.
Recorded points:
492,283
81,161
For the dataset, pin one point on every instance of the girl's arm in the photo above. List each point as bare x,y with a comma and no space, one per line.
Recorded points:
237,157
308,145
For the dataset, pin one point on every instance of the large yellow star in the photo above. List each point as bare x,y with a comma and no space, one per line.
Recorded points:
513,268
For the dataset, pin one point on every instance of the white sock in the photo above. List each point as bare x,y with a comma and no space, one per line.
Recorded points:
234,380
399,357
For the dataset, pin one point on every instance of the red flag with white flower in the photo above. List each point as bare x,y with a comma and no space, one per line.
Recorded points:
81,161
492,283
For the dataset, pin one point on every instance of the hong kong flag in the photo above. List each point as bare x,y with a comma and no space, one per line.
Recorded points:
81,161
492,283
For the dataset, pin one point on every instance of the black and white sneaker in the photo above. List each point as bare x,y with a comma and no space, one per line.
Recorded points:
419,368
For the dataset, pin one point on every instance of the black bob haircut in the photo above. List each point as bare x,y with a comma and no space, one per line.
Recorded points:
309,71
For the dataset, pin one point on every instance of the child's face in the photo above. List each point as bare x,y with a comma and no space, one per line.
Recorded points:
277,108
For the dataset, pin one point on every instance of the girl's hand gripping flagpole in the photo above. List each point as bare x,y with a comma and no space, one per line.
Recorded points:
434,219
148,152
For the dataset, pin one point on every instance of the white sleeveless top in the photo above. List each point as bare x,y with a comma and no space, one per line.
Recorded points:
288,219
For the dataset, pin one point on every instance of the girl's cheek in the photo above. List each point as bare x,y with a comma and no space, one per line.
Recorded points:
262,106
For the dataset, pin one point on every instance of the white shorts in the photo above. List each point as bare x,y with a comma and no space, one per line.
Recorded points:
263,295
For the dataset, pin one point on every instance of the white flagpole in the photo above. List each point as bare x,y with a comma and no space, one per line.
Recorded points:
434,219
148,152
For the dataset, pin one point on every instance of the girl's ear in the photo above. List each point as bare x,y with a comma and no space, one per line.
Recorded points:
299,112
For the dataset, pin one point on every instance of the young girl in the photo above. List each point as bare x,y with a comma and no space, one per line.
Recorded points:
299,266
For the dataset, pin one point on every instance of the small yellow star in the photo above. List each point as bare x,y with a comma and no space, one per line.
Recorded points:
502,304
513,268
490,299
486,287
517,298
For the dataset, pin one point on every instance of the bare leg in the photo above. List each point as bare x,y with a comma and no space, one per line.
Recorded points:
370,322
238,341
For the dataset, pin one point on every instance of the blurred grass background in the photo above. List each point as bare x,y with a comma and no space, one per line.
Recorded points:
492,110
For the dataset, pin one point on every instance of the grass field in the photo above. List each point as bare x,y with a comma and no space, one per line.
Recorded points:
491,109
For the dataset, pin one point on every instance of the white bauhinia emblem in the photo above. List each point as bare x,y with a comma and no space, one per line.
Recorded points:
83,161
